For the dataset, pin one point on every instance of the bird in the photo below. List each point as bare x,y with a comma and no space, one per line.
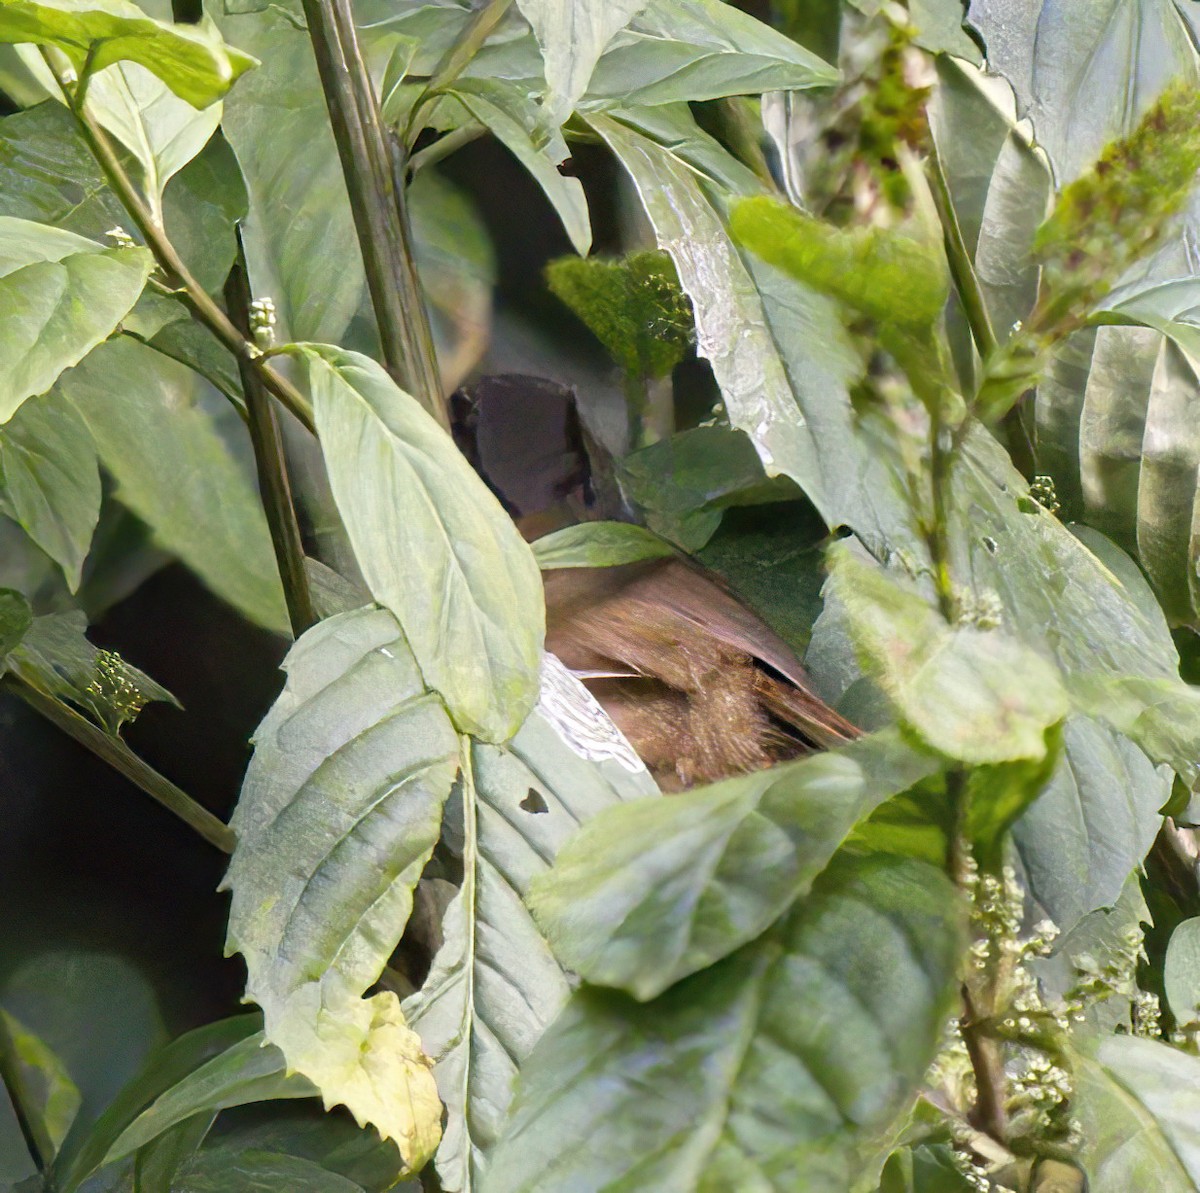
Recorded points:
699,684
701,687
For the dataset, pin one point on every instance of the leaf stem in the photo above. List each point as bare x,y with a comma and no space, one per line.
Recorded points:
374,185
120,757
962,268
269,458
178,275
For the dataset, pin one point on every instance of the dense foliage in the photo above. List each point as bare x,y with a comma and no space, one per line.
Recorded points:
894,328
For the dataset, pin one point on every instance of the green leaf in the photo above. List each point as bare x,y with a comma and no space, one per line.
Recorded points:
434,545
999,183
1181,972
156,1165
632,305
573,34
249,1070
1138,1102
776,346
63,295
773,1070
219,1170
202,206
598,544
679,51
339,812
517,120
16,617
683,484
731,327
278,125
1085,72
1092,824
673,51
173,470
50,481
332,1141
1138,455
39,1081
190,59
166,1068
48,175
495,985
980,696
160,131
56,656
652,892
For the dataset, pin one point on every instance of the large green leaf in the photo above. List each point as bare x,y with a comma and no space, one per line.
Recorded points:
173,470
190,59
434,545
1181,972
672,51
249,1070
49,480
339,812
1085,70
62,295
160,131
495,985
1092,824
166,1068
978,695
650,893
999,183
1138,1102
48,174
97,1013
573,34
773,1070
278,125
219,1170
779,350
517,120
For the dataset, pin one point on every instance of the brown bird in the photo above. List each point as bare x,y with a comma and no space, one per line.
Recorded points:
700,686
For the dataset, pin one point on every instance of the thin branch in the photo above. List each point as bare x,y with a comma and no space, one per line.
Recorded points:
120,757
178,275
376,203
273,481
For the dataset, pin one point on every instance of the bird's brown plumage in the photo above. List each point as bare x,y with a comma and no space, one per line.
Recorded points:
698,683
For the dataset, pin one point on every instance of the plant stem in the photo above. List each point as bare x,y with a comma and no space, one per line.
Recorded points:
269,457
984,1052
178,275
376,203
962,269
987,1063
120,757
